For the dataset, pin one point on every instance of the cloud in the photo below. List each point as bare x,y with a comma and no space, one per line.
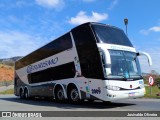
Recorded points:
81,17
56,4
89,0
16,43
155,29
113,4
152,29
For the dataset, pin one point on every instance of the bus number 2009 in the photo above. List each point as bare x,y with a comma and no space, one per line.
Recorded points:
96,91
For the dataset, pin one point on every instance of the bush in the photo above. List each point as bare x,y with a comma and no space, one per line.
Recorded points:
157,82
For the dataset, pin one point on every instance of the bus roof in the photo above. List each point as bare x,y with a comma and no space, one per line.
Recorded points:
84,24
95,23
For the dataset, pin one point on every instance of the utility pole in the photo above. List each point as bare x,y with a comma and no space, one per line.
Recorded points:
126,23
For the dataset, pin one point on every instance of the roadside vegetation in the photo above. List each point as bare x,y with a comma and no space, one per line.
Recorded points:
6,75
154,94
154,91
10,91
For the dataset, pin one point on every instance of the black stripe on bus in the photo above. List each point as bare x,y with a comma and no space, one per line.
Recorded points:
54,73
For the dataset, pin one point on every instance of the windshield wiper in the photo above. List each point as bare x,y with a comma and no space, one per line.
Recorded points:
136,76
119,76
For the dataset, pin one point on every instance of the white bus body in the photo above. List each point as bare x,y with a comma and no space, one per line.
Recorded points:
92,61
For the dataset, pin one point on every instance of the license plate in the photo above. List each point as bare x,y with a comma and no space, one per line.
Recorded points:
131,94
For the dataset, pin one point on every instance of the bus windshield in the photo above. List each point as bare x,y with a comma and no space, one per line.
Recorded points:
111,35
124,65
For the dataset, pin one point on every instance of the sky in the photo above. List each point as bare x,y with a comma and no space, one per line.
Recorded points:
26,25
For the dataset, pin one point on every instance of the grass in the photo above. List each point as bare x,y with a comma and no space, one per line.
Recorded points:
10,91
155,91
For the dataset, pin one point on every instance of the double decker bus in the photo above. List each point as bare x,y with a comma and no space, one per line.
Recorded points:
93,61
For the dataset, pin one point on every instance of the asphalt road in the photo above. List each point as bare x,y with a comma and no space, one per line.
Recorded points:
13,103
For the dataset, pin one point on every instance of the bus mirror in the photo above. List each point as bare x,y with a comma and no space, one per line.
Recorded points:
147,55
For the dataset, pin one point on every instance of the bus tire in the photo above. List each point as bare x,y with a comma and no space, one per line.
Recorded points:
26,95
73,95
59,94
21,94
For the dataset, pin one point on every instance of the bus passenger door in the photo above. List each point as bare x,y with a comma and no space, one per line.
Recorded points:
95,88
90,72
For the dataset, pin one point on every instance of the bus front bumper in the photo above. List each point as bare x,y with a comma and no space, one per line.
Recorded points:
112,95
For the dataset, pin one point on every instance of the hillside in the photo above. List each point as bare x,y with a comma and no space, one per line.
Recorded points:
6,68
9,61
6,72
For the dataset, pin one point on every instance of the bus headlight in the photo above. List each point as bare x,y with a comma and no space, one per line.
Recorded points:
109,87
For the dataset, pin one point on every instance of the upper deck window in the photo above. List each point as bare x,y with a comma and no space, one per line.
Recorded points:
111,35
56,46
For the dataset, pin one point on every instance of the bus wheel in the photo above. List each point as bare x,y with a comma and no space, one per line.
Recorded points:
26,94
21,94
74,95
59,94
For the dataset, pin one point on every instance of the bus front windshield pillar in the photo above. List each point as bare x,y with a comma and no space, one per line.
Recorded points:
106,61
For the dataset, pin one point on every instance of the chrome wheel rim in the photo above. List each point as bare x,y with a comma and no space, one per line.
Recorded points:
60,94
74,95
